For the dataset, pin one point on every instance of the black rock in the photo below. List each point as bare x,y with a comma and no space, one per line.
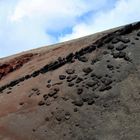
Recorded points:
121,47
78,102
45,96
110,47
41,103
87,70
90,101
70,84
62,77
70,71
67,115
85,97
115,54
124,39
53,91
82,59
122,54
91,83
115,40
138,34
110,67
79,91
71,78
79,79
104,87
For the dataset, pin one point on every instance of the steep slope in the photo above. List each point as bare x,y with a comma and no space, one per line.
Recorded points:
85,89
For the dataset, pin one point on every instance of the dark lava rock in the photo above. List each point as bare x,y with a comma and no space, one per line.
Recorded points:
70,71
115,40
78,102
138,34
90,101
82,59
62,77
41,103
69,57
58,117
45,96
126,57
122,54
110,67
104,87
115,54
110,47
75,109
124,39
106,81
67,115
71,78
87,70
85,97
53,91
48,102
48,86
94,61
21,103
121,47
79,91
70,84
79,79
91,83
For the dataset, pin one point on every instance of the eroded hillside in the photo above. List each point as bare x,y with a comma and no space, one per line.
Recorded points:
86,89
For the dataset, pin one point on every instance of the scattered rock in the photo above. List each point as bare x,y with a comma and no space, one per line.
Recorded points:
48,85
104,87
79,79
124,39
110,67
90,101
21,103
70,71
91,83
79,91
138,34
71,78
48,102
121,47
41,103
115,40
82,59
122,54
110,47
75,109
45,96
78,102
53,91
70,84
115,54
87,70
62,77
67,115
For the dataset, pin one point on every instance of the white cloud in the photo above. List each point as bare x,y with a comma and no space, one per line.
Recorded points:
27,24
124,12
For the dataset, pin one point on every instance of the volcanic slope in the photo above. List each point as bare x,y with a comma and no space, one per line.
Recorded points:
84,89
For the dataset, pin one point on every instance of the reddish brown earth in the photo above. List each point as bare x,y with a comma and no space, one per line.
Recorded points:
14,64
84,89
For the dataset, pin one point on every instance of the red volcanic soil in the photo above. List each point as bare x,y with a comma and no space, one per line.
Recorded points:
14,64
84,89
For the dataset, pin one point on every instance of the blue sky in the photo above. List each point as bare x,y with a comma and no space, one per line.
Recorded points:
28,24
